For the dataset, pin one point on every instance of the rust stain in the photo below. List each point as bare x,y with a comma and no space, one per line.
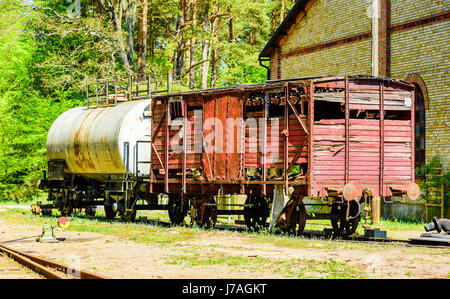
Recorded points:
81,146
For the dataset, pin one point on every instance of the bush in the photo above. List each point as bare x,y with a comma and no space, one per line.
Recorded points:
26,114
433,181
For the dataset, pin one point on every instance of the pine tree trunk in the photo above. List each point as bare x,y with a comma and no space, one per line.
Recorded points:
152,33
116,17
205,60
142,42
231,31
192,46
282,11
215,52
214,60
178,63
130,24
274,20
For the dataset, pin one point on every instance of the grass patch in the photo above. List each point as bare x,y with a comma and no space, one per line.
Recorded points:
290,268
146,234
16,203
287,241
174,236
402,225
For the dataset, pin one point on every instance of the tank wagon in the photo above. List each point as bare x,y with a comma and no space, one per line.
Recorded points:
339,140
91,152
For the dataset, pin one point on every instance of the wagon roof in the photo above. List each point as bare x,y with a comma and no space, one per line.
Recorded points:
273,84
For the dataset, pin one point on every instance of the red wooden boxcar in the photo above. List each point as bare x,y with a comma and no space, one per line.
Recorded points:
341,138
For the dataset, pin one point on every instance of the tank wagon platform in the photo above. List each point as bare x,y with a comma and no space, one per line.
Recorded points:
342,140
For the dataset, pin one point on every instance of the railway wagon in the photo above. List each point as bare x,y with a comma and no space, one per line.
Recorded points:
343,140
340,140
92,154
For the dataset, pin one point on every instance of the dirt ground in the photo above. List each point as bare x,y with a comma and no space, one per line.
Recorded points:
116,257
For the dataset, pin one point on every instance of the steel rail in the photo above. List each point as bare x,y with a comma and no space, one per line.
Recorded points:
48,269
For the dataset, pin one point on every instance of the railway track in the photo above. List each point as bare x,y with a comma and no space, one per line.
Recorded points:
52,270
46,268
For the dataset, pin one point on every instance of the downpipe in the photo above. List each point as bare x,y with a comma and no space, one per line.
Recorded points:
265,66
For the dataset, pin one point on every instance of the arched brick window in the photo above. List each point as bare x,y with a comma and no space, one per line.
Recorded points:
420,129
421,105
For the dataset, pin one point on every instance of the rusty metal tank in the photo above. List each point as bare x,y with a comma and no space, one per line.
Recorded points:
93,142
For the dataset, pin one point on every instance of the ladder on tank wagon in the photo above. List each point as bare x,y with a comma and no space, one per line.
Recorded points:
130,178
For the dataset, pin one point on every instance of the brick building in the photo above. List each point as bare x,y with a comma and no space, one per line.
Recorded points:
402,39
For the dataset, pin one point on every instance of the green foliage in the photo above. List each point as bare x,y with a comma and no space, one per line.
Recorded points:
48,57
25,114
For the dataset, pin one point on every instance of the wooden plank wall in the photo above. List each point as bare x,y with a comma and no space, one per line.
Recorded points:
217,161
225,164
275,142
193,160
329,152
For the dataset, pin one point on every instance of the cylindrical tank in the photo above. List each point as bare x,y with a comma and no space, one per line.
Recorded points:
93,141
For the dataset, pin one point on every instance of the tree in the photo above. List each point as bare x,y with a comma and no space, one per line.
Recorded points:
25,113
51,50
141,47
124,14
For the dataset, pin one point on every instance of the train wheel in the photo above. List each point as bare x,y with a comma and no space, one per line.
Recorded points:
90,210
108,207
46,211
342,227
195,210
177,212
209,218
297,220
256,216
109,212
128,216
66,211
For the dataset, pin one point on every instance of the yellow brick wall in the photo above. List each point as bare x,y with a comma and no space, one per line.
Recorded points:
328,20
274,61
408,10
425,51
344,60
